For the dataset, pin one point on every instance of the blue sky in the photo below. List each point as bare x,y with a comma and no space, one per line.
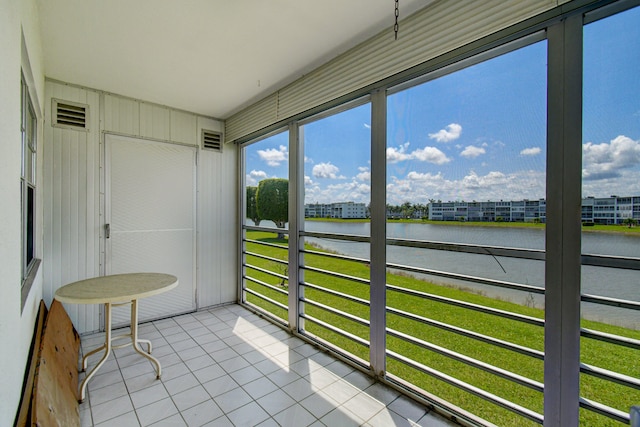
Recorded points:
479,133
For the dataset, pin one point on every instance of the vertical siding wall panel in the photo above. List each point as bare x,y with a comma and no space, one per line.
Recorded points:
155,122
121,115
184,128
71,167
229,225
217,263
74,194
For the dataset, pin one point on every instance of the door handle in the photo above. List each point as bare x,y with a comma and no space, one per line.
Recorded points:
107,230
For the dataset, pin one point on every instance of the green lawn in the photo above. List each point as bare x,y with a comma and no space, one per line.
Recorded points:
604,355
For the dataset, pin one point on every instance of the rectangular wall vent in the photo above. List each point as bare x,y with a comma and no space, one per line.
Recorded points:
70,114
211,140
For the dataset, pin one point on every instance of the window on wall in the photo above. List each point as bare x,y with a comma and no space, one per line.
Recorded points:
610,211
27,181
334,290
466,173
265,281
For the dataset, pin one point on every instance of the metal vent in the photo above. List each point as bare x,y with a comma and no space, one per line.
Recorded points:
211,140
69,114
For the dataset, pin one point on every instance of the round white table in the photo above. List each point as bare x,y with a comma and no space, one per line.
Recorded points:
115,290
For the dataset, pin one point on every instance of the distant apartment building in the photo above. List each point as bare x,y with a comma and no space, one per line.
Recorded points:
344,210
609,210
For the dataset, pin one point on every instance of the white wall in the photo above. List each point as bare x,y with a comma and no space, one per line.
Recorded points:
74,194
16,326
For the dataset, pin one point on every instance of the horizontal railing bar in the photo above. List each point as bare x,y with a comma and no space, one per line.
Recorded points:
338,331
266,229
466,278
611,261
348,316
265,298
533,254
266,285
595,299
506,404
336,293
336,256
610,338
273,245
265,271
470,334
621,303
502,373
268,258
334,236
470,306
605,410
262,312
335,274
608,375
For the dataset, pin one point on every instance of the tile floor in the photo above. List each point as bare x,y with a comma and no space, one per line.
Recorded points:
229,367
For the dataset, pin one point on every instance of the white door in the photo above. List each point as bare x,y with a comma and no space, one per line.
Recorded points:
150,194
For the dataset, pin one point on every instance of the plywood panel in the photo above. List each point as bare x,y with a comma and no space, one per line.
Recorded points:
55,401
24,411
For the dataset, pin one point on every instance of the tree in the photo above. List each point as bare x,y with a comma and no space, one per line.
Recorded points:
252,205
272,200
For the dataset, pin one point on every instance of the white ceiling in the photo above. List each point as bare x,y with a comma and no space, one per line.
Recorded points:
210,57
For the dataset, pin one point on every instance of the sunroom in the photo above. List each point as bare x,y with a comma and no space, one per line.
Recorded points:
284,160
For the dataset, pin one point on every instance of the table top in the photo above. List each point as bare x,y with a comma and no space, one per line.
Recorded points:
116,288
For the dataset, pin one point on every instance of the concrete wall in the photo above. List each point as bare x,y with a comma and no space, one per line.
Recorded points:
17,18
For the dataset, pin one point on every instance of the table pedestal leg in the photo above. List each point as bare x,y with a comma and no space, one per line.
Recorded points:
107,350
135,341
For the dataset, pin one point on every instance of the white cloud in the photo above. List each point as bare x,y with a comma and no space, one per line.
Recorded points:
450,133
426,154
608,160
366,125
395,155
364,175
273,156
254,177
471,151
532,151
431,155
495,185
326,170
308,180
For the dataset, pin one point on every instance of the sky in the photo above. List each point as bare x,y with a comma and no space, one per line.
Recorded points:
479,133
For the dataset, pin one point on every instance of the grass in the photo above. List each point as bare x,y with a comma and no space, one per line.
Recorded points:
597,353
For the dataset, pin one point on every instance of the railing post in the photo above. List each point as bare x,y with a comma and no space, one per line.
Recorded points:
563,230
378,267
296,223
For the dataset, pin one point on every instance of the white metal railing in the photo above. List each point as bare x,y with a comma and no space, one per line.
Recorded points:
587,259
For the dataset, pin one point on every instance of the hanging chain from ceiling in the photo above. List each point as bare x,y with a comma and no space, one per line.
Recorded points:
397,12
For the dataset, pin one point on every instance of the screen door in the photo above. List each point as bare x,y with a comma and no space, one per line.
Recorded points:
150,198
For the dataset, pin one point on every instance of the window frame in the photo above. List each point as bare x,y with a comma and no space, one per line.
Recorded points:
29,263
